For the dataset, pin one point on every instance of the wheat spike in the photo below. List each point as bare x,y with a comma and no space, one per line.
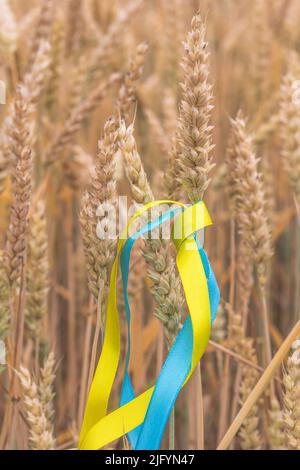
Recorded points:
77,117
56,65
74,12
102,191
194,143
156,129
17,231
173,24
248,197
290,119
78,168
8,28
127,89
291,399
40,438
46,391
17,128
43,28
4,296
218,332
78,76
111,40
250,438
161,267
37,272
275,429
261,53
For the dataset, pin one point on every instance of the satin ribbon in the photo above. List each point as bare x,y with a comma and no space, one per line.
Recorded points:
145,416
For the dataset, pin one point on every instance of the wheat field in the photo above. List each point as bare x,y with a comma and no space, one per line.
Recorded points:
103,100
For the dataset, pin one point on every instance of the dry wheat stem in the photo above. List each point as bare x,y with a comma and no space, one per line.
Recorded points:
260,387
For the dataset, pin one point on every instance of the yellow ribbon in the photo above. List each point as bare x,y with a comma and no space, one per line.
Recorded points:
100,428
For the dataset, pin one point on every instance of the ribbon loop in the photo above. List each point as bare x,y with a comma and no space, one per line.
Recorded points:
190,221
144,417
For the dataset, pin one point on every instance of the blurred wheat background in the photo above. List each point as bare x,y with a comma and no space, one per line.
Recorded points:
150,99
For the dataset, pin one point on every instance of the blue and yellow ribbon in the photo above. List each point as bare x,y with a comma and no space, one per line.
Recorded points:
144,417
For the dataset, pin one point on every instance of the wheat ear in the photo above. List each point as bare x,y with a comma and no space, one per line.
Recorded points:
194,141
275,429
289,120
102,191
291,414
8,29
43,28
250,438
37,272
17,231
4,296
160,264
40,430
46,391
77,117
